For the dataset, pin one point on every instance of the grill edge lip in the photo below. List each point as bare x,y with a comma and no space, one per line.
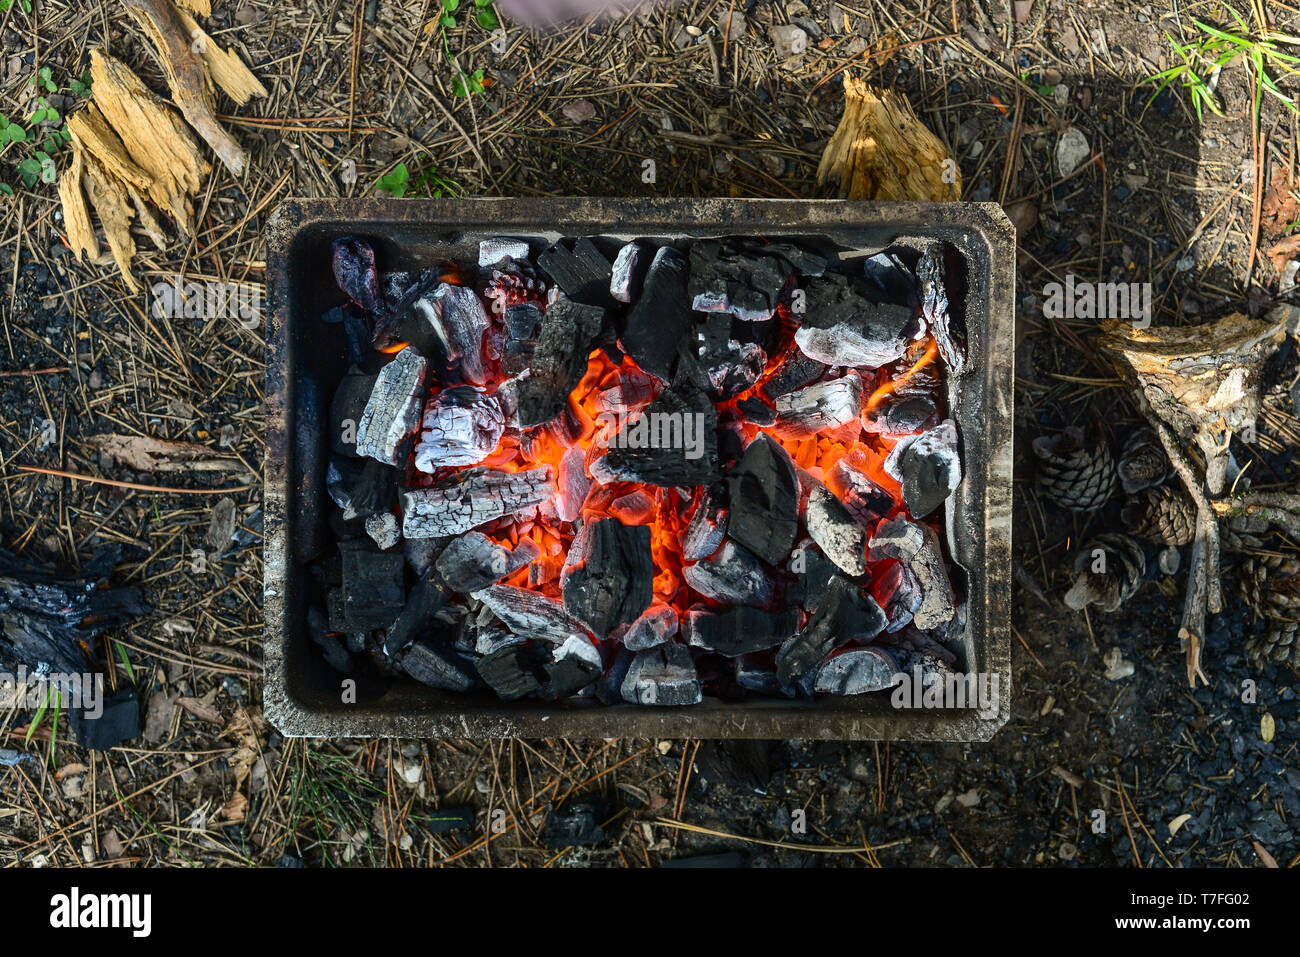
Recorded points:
982,400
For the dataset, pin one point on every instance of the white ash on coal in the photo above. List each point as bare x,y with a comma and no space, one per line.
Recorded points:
641,471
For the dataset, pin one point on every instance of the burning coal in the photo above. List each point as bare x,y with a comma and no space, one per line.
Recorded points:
645,472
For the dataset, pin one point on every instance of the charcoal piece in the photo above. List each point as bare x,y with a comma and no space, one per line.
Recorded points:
613,582
733,575
795,372
374,491
653,627
845,613
512,671
439,666
333,649
802,260
609,689
856,671
633,390
523,322
450,320
836,531
473,561
732,366
708,524
891,277
764,496
569,330
928,466
117,721
354,271
470,498
341,476
899,415
373,588
492,251
461,426
580,270
743,764
740,630
383,530
821,407
727,277
661,316
936,308
530,614
393,410
628,273
757,412
664,676
492,636
574,826
572,485
672,442
575,664
866,500
918,546
347,407
813,575
418,617
757,673
842,327
905,596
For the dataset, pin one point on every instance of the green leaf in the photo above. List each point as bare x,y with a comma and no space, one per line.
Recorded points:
16,133
36,719
447,20
451,6
126,662
47,80
6,189
36,117
487,19
396,182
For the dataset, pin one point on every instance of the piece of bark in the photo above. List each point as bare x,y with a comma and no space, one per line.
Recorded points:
113,206
155,137
76,214
145,454
193,64
91,131
881,150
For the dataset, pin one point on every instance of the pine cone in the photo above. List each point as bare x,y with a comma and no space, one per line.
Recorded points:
1278,642
1271,585
1162,515
1143,463
1074,474
1107,572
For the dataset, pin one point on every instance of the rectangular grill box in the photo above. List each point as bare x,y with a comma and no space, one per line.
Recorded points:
303,696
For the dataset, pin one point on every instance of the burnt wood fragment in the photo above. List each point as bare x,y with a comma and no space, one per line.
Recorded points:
461,426
764,496
917,544
523,322
841,326
836,531
613,582
373,589
440,666
574,665
733,575
473,561
824,406
530,614
347,406
628,273
453,321
739,630
393,410
569,331
470,498
662,676
661,317
418,616
673,442
856,671
653,627
742,279
845,613
513,671
580,270
795,372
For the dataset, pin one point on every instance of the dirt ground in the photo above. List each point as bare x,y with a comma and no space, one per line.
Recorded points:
1090,771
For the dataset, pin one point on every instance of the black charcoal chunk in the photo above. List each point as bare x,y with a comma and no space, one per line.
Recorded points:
733,575
813,575
572,826
732,366
756,412
418,615
347,407
330,642
824,406
899,415
354,271
512,671
936,308
473,561
891,277
374,491
574,665
865,498
757,673
795,372
737,279
117,720
440,666
628,274
739,630
569,332
708,523
661,316
580,270
393,411
461,426
454,319
653,627
662,676
470,498
928,466
373,589
845,613
841,326
530,614
917,544
673,442
764,499
613,581
836,531
341,477
523,321
856,671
